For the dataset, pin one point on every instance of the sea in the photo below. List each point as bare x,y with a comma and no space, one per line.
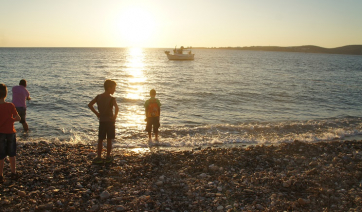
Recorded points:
223,97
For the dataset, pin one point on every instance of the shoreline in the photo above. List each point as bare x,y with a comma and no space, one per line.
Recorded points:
220,145
166,147
288,176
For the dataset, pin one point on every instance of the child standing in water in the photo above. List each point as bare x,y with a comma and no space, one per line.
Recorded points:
20,94
8,115
153,111
107,119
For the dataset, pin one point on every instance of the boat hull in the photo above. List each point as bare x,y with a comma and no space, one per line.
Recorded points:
180,56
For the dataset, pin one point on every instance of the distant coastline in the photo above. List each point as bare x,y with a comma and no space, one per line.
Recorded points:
350,49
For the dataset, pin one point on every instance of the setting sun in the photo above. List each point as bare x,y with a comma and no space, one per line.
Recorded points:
135,26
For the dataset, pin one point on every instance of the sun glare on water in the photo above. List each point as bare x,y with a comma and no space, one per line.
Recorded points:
135,26
135,70
134,118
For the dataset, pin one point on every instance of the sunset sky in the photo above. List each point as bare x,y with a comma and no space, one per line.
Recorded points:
166,23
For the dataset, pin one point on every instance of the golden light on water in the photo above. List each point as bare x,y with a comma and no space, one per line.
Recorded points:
135,68
135,90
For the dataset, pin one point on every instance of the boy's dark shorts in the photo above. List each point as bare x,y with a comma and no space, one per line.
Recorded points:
153,121
107,129
22,114
7,145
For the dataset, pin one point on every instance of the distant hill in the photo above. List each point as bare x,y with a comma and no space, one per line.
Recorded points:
350,49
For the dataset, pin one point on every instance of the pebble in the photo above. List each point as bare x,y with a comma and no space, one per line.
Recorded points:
94,208
214,167
259,207
228,207
120,208
79,185
105,195
117,199
6,202
21,193
203,175
159,183
47,206
287,183
325,176
92,155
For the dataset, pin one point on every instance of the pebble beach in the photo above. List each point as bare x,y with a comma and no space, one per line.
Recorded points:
295,176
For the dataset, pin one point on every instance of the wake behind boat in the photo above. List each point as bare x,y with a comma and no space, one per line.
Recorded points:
178,54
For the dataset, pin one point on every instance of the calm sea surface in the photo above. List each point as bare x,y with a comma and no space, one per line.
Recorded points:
223,96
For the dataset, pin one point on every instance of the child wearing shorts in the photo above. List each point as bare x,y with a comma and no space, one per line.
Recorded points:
8,115
107,119
153,111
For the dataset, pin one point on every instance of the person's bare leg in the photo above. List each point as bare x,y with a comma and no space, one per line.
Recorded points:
12,164
25,126
156,136
99,150
1,166
109,147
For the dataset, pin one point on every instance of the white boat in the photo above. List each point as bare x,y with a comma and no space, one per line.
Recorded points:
178,54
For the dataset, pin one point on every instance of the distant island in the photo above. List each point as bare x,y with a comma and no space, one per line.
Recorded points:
350,49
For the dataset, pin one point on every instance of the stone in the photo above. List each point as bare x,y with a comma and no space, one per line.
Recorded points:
213,167
105,195
79,185
259,207
94,208
92,154
159,183
287,183
21,193
117,199
6,202
120,208
203,175
47,206
301,201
